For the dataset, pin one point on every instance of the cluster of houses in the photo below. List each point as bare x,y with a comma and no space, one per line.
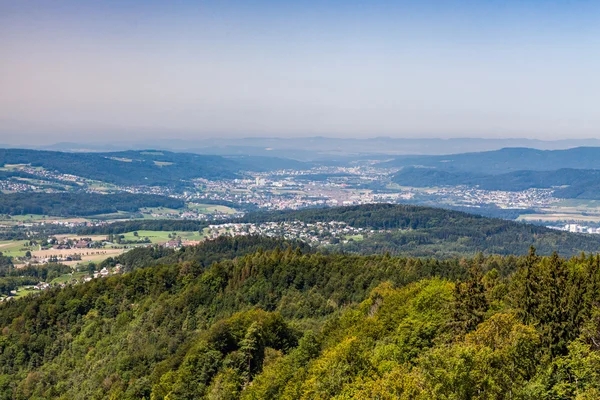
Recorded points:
104,272
42,286
173,243
318,233
66,244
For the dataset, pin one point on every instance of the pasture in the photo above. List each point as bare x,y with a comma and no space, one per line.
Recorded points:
211,208
162,236
14,248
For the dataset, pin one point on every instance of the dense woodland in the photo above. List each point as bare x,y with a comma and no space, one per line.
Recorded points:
287,324
426,231
80,204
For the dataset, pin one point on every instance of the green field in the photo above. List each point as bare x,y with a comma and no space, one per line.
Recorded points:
26,217
161,237
146,211
11,167
17,219
68,277
14,248
23,291
356,238
211,208
101,186
577,203
117,216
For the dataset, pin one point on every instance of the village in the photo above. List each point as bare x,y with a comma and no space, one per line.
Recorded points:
317,234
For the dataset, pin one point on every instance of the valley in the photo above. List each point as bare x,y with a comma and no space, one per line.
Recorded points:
242,277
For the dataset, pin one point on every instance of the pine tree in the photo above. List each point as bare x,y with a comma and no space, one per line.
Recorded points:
470,301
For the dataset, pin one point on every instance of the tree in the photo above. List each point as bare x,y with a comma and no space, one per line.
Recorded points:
470,301
252,347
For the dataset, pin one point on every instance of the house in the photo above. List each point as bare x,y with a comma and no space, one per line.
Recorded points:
82,244
173,243
42,286
103,272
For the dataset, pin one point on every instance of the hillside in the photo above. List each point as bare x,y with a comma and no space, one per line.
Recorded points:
573,183
80,204
506,160
282,324
148,167
426,231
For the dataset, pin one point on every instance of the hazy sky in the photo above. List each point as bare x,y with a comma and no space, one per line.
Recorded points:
122,70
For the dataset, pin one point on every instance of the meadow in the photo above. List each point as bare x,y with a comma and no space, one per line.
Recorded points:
161,237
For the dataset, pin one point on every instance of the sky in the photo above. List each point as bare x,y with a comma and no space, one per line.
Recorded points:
115,70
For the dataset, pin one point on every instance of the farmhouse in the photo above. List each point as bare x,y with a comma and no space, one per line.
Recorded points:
82,244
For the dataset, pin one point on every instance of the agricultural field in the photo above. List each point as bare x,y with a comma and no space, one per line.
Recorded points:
571,210
211,208
356,238
73,237
14,248
25,291
158,212
102,187
31,218
120,215
68,277
87,255
12,167
577,204
161,236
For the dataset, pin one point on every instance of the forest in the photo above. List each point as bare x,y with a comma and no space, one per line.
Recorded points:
426,231
80,203
263,319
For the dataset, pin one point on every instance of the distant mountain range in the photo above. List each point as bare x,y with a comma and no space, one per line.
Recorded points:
323,148
506,160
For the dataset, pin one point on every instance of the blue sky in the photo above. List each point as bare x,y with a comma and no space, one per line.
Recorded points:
196,69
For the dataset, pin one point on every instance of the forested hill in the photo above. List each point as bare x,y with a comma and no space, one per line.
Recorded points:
568,183
149,167
80,203
374,216
427,231
283,324
506,160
